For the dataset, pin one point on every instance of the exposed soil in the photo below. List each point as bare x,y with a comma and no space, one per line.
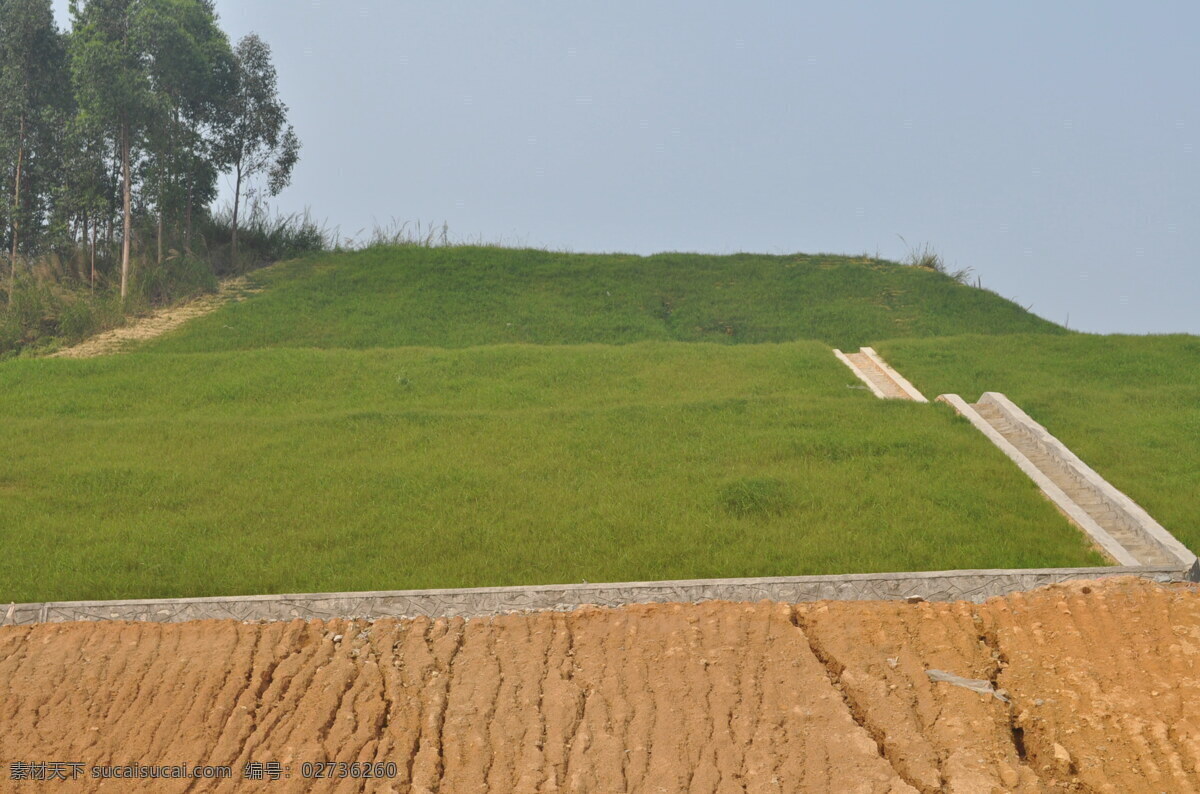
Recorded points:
158,323
1080,687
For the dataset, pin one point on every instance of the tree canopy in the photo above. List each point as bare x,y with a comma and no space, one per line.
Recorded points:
115,133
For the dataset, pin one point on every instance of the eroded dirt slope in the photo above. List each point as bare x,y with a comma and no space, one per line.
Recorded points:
158,322
1082,687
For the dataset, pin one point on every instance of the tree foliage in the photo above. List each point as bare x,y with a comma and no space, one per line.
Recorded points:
35,102
258,139
113,135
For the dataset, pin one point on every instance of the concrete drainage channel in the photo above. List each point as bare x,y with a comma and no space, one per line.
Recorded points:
883,381
1123,530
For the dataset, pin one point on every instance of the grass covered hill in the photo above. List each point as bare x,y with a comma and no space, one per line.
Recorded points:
408,417
465,296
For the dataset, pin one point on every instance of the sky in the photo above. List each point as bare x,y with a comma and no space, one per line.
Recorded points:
1049,147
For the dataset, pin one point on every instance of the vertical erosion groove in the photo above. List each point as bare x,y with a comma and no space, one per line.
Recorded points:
988,634
857,712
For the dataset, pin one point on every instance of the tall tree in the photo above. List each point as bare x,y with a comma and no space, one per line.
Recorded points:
110,69
89,190
34,97
191,71
258,139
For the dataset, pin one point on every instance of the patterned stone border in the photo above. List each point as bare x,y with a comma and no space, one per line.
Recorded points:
971,585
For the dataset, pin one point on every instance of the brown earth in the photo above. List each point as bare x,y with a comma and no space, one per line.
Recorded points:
157,323
1090,687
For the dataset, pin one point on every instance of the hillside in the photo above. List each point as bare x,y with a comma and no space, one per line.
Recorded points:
1128,405
309,471
371,421
460,297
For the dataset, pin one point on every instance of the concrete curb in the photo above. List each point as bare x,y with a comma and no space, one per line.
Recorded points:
1074,512
1119,502
900,380
970,585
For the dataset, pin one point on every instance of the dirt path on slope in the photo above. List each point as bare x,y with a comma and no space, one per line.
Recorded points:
159,322
1079,687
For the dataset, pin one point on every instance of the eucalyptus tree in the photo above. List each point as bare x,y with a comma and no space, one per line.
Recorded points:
258,139
191,70
111,75
34,102
89,188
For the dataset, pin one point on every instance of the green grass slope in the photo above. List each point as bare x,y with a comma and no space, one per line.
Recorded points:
465,296
295,470
1129,406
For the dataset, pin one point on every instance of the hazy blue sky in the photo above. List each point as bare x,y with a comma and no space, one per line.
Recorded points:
1051,147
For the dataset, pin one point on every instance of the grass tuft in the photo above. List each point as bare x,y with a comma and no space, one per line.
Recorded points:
926,258
754,497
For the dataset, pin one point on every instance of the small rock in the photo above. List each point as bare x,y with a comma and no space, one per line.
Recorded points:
1062,759
337,637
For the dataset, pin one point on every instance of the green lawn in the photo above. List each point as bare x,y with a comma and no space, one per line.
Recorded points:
1129,406
461,297
292,470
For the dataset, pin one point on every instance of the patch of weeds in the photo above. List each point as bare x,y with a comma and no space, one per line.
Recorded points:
926,257
755,497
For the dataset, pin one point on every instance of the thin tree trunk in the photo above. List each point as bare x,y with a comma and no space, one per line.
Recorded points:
110,228
94,221
187,228
164,176
237,195
16,210
187,213
127,210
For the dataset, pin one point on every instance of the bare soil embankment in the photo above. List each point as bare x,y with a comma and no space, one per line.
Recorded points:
1097,688
158,322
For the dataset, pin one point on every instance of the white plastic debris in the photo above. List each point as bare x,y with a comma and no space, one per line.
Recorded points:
973,684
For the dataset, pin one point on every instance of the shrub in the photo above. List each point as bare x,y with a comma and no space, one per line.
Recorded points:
178,276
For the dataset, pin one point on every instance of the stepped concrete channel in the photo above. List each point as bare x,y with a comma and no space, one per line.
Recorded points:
1119,527
883,381
1114,521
